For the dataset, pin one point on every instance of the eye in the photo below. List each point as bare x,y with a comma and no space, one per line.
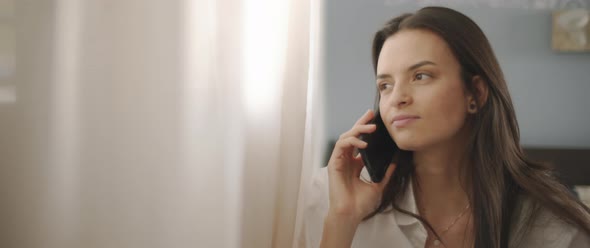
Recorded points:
385,86
422,76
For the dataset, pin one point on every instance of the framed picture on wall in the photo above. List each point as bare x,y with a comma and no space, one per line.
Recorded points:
571,30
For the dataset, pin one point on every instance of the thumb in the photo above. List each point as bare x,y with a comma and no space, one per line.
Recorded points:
388,175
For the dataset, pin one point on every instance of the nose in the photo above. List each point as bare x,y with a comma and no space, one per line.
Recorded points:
401,96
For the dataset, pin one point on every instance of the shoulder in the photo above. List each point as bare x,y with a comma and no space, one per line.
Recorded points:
580,240
539,227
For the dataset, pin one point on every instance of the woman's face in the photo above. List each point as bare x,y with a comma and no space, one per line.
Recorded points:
422,97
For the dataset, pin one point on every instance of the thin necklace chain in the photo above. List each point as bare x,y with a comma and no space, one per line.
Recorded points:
436,240
456,219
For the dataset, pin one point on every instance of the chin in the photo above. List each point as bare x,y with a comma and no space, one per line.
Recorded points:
409,143
407,147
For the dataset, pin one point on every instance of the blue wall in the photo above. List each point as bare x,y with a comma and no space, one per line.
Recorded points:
550,90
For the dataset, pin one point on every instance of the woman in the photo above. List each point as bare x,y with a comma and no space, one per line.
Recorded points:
460,178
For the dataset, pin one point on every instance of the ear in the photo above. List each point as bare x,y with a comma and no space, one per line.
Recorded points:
479,96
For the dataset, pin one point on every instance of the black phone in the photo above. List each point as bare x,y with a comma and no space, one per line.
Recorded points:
380,149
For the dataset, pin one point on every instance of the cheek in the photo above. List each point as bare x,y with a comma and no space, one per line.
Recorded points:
446,112
384,108
443,114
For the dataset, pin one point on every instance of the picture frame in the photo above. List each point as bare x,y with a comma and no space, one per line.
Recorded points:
571,30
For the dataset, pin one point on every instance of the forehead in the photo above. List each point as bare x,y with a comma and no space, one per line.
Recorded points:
408,47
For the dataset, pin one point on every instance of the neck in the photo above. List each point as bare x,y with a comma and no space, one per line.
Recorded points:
442,186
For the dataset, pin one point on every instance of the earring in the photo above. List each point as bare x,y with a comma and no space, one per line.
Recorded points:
472,107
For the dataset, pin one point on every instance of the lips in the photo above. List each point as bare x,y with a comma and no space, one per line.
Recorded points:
404,120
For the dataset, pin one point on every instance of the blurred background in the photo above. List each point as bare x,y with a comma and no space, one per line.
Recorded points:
158,123
198,123
549,87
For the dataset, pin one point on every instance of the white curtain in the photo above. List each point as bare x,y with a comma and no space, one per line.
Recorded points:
161,123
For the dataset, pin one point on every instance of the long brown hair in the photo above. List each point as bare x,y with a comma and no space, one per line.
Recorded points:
501,174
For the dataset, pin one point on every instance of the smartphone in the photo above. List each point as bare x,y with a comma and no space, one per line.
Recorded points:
380,149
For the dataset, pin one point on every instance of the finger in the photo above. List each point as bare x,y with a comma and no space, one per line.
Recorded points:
365,118
345,146
388,174
352,142
359,129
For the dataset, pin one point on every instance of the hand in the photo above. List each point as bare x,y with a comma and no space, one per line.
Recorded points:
350,197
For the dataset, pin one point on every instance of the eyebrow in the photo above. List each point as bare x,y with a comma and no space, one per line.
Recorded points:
411,68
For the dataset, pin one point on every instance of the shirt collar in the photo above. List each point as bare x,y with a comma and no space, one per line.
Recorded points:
407,202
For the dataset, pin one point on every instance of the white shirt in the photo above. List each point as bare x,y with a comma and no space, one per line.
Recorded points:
397,230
